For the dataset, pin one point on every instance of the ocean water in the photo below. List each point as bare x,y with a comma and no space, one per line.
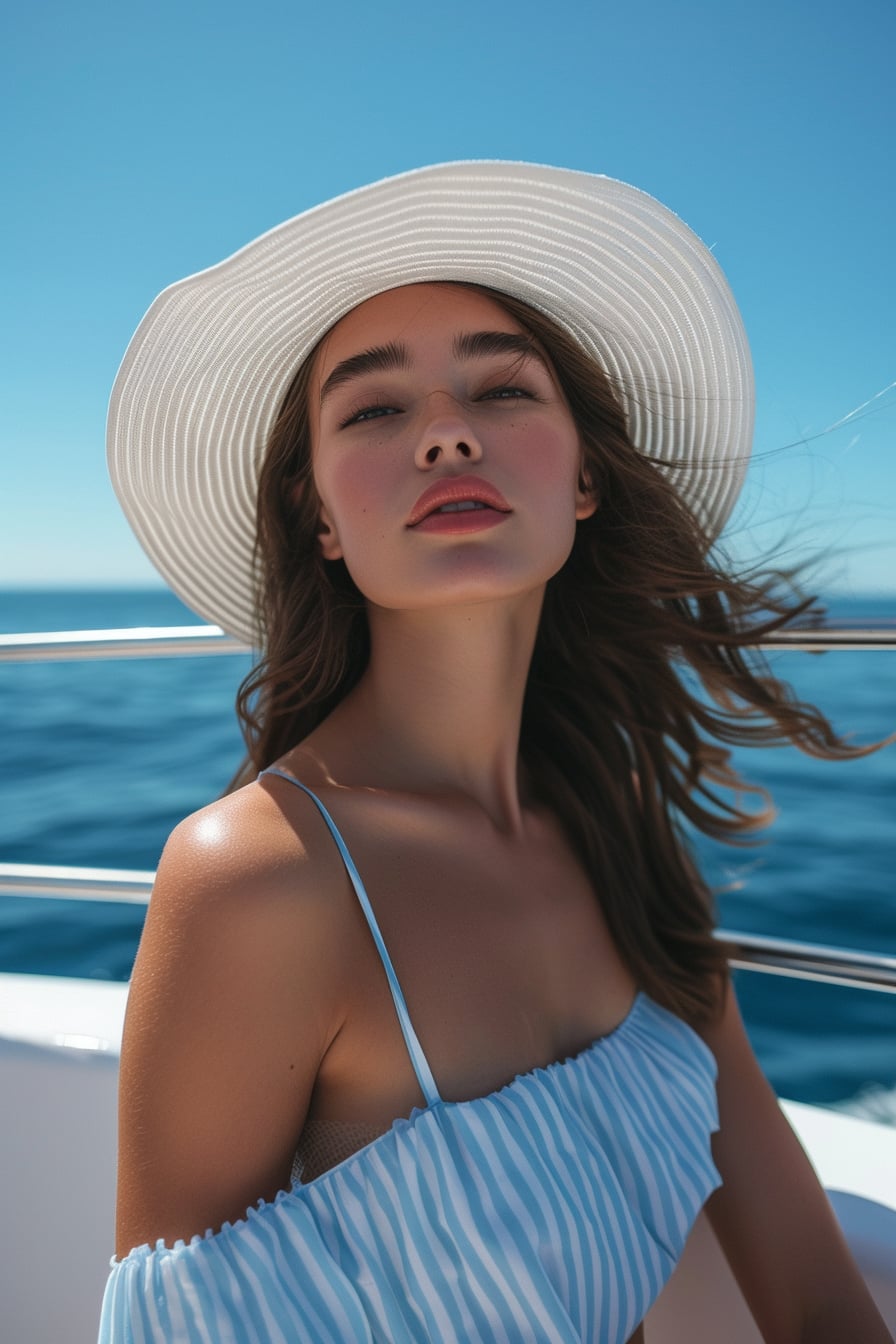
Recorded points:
102,759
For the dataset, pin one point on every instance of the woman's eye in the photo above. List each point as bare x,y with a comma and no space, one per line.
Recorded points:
368,413
506,394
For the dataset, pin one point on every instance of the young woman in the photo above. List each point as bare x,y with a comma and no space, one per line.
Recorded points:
429,1037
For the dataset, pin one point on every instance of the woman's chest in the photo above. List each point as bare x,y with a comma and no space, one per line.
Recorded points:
500,950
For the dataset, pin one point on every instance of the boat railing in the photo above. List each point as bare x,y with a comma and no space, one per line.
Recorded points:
157,641
754,952
201,640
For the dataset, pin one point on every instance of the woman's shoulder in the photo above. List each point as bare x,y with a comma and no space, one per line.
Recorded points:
258,831
238,990
253,852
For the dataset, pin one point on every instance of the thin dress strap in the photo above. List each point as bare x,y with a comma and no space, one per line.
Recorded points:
415,1050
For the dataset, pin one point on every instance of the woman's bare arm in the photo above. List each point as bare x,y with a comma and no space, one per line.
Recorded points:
771,1216
232,1006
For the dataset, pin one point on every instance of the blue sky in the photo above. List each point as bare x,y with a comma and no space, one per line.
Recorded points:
146,142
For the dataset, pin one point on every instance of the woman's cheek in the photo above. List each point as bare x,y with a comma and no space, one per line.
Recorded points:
552,458
357,492
361,497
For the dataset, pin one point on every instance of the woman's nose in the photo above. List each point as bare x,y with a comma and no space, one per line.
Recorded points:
447,435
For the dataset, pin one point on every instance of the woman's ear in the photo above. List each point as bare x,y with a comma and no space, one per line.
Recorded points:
586,496
327,537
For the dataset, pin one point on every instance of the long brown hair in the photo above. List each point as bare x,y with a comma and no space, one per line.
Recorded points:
617,737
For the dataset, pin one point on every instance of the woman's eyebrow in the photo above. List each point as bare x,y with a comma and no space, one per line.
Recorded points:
468,345
480,344
378,359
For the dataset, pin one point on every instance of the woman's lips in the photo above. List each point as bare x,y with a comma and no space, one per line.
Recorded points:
456,521
458,497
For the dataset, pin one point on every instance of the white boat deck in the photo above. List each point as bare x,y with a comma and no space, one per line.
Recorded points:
59,1049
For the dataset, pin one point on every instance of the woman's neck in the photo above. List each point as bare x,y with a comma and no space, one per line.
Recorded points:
440,705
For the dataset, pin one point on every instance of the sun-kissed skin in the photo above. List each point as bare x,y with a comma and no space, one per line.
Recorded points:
258,999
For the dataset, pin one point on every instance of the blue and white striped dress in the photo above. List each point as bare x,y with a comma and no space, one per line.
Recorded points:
551,1211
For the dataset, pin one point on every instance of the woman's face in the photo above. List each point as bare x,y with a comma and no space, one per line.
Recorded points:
445,457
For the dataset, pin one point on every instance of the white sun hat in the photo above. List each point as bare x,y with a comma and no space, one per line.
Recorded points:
207,369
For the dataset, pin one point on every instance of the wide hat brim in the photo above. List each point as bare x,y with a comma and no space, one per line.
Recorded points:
207,369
